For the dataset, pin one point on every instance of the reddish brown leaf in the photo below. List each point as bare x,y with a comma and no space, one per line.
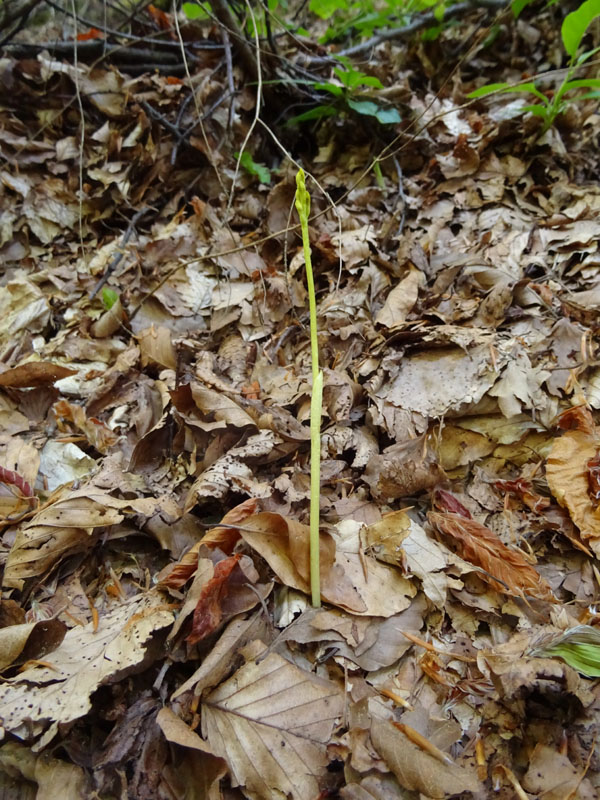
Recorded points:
162,20
92,33
34,373
577,418
224,537
504,569
12,478
208,612
523,490
445,501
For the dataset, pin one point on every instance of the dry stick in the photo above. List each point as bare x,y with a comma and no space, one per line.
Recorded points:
230,82
81,126
428,18
118,257
258,72
223,14
9,17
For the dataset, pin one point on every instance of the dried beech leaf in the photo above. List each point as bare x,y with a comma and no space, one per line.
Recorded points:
347,581
86,658
34,373
480,546
416,769
566,471
271,722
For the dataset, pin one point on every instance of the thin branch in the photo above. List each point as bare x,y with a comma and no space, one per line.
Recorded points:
8,17
420,21
118,257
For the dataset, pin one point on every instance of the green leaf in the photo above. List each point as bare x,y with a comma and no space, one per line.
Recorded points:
507,88
315,113
576,24
194,11
432,33
583,83
518,6
587,55
326,8
439,11
386,116
109,298
332,88
537,110
379,175
258,170
489,88
352,78
579,647
366,107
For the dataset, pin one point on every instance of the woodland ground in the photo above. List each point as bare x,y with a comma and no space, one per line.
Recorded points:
155,380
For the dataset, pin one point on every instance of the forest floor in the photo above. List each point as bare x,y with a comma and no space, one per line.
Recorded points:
156,634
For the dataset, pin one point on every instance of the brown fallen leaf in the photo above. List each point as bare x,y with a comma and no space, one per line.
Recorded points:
34,373
271,722
86,658
504,569
570,478
401,470
417,769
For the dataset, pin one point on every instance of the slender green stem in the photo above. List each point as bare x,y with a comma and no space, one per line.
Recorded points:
303,208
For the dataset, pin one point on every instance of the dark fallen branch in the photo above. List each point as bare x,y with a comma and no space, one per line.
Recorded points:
115,53
118,257
16,12
419,22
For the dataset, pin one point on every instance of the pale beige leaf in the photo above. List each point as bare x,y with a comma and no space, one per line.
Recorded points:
566,472
218,662
271,722
156,347
401,299
415,768
54,777
86,659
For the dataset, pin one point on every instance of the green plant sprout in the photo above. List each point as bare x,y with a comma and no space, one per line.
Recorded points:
573,29
346,94
109,298
253,167
316,401
365,16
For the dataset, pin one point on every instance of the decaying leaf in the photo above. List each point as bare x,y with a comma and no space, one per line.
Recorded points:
86,659
65,526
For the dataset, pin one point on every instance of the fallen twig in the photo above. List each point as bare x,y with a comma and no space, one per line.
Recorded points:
420,21
118,257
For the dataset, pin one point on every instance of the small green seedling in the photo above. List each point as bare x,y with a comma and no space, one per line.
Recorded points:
252,167
346,93
316,401
573,30
109,298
